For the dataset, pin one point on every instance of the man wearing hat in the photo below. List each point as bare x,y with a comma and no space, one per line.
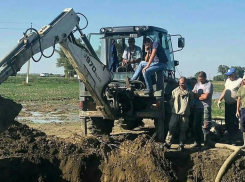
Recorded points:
229,94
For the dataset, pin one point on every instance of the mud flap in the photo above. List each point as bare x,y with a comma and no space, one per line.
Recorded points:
8,111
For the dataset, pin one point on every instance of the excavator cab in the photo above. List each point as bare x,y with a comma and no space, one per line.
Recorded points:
126,100
103,41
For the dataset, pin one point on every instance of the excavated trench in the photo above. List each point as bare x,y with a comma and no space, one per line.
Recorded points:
30,155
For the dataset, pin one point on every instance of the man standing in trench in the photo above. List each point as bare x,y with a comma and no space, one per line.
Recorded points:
229,94
182,101
203,92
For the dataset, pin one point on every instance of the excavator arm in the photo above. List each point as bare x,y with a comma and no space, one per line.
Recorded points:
91,71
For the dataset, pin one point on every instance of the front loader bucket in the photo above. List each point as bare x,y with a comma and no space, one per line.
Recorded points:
8,111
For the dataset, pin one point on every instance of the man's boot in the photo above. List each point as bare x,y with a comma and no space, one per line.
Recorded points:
166,146
243,134
196,144
208,143
181,147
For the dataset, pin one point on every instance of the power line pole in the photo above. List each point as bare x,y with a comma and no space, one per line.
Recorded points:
28,67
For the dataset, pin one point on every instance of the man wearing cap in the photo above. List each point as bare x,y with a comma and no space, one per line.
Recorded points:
229,94
132,55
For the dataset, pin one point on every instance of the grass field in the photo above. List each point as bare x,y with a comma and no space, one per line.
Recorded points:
59,88
218,86
40,89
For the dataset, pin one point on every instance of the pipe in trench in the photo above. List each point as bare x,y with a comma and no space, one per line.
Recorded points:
228,161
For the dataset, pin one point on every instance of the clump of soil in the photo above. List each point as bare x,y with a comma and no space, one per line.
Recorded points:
137,160
198,166
32,156
237,171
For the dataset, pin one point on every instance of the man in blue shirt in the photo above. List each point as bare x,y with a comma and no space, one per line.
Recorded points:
155,60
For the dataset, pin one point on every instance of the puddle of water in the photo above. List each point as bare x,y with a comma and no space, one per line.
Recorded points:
42,121
216,95
37,117
36,114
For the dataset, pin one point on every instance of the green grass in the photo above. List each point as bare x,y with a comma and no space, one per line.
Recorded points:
218,86
216,111
40,89
33,79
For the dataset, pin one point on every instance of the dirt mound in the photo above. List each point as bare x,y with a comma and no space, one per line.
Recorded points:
31,156
137,160
237,171
197,166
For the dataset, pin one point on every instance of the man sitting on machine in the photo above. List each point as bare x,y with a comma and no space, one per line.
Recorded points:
131,56
155,60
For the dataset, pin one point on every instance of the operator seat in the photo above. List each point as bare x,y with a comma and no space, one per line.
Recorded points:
113,59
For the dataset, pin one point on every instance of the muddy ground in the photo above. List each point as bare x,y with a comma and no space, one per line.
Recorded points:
56,152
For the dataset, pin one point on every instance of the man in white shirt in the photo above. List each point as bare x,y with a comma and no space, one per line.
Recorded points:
203,91
229,94
132,55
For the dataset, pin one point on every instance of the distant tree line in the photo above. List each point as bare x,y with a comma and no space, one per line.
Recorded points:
222,69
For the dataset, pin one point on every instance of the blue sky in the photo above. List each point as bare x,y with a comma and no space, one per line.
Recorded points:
214,30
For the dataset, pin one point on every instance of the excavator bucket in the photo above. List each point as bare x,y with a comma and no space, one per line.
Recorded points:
8,111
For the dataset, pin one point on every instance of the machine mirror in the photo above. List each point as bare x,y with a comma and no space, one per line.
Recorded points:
181,42
176,63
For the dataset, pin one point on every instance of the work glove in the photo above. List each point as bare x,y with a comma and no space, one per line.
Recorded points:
219,103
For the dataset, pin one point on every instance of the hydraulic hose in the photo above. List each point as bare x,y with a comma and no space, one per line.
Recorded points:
228,161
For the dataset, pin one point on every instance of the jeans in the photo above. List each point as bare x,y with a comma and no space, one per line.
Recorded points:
242,114
231,121
202,122
154,67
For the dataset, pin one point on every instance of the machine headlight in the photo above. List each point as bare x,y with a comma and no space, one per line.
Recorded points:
102,30
137,28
